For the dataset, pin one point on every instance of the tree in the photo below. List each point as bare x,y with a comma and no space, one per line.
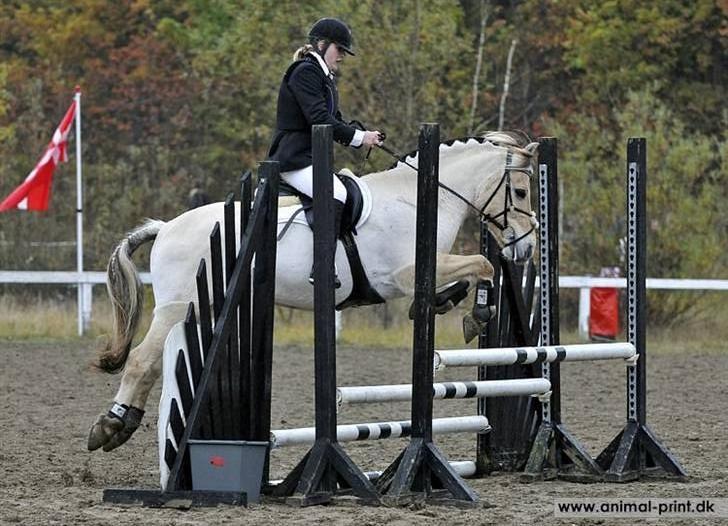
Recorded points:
686,188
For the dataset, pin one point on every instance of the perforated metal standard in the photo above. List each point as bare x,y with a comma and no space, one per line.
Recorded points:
545,303
632,283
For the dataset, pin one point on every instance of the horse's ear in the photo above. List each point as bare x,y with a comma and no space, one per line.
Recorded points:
532,147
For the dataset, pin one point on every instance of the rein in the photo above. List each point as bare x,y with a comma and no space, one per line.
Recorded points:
508,205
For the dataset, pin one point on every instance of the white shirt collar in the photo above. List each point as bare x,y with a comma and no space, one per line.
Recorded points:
322,63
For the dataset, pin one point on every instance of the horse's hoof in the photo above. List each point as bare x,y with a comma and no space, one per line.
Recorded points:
440,308
484,313
452,295
132,419
443,308
471,327
493,310
103,430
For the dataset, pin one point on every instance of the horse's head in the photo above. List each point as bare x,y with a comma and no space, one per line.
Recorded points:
491,174
504,196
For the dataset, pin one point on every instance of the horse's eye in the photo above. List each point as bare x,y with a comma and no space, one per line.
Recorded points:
521,193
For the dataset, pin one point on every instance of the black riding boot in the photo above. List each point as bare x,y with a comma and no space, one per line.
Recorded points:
338,210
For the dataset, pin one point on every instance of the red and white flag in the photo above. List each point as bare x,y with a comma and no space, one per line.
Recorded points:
34,193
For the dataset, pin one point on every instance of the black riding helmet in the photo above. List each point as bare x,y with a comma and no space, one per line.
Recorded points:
333,30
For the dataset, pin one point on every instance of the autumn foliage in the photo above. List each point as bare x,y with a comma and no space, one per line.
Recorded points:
181,92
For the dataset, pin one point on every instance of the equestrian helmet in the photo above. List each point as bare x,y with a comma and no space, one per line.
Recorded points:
335,31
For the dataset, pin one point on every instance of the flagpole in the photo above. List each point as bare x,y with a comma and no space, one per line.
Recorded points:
79,216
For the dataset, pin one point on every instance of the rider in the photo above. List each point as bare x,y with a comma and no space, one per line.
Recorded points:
308,96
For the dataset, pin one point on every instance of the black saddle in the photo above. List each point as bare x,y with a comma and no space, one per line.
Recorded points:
352,208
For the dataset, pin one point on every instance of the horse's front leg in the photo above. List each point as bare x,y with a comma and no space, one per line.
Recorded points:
478,271
455,274
452,267
461,273
142,369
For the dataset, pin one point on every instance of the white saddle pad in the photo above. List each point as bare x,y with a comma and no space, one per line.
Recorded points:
285,213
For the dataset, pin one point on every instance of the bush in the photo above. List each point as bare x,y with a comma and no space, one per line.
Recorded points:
685,188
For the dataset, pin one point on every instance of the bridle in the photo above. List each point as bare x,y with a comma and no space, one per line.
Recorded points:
508,205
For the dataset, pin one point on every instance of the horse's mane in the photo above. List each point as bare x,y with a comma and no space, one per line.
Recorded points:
515,139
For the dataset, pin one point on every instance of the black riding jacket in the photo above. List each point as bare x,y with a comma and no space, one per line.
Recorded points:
306,97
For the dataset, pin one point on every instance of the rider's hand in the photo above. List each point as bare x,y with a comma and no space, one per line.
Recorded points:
372,138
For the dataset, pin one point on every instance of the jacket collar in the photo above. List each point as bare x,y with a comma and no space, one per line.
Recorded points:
322,63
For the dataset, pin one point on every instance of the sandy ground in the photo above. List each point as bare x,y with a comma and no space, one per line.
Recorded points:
50,396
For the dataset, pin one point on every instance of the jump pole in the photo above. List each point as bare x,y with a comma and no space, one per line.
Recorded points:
316,477
421,462
464,468
379,430
529,355
365,394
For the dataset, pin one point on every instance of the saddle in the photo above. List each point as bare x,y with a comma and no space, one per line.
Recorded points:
362,292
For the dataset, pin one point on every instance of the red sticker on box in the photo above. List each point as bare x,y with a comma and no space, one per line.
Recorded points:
217,461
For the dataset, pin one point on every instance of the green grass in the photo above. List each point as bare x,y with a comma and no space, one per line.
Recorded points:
49,319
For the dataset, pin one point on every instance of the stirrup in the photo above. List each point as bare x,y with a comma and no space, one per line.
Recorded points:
337,281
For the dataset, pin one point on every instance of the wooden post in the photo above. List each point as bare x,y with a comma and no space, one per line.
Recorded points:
555,452
636,450
316,477
421,463
244,314
263,308
485,458
229,362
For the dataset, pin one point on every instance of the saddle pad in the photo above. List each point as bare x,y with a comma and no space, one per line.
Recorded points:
285,213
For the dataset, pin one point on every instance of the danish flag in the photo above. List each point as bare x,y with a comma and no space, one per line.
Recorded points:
34,193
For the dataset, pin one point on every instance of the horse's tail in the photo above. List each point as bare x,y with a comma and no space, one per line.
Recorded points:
126,294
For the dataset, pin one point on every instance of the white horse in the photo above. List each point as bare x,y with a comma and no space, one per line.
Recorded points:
491,174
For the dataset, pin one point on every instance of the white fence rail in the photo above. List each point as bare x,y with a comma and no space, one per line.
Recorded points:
60,277
587,282
86,280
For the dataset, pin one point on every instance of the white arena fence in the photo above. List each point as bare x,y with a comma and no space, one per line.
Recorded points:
86,280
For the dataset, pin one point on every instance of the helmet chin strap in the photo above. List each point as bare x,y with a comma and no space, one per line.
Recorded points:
322,52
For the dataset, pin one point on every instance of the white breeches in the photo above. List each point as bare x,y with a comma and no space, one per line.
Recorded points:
302,180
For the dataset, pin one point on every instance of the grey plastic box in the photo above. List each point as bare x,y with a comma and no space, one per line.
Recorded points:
228,465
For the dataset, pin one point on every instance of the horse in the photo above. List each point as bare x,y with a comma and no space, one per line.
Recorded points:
489,175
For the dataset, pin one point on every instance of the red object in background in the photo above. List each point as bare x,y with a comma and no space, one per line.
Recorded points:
35,192
604,313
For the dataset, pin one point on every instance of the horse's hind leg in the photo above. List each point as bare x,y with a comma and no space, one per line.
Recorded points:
142,369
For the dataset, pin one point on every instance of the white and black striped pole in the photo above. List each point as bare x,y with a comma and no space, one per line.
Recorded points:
379,430
528,355
369,394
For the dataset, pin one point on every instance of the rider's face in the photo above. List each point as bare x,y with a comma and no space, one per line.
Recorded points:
333,57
